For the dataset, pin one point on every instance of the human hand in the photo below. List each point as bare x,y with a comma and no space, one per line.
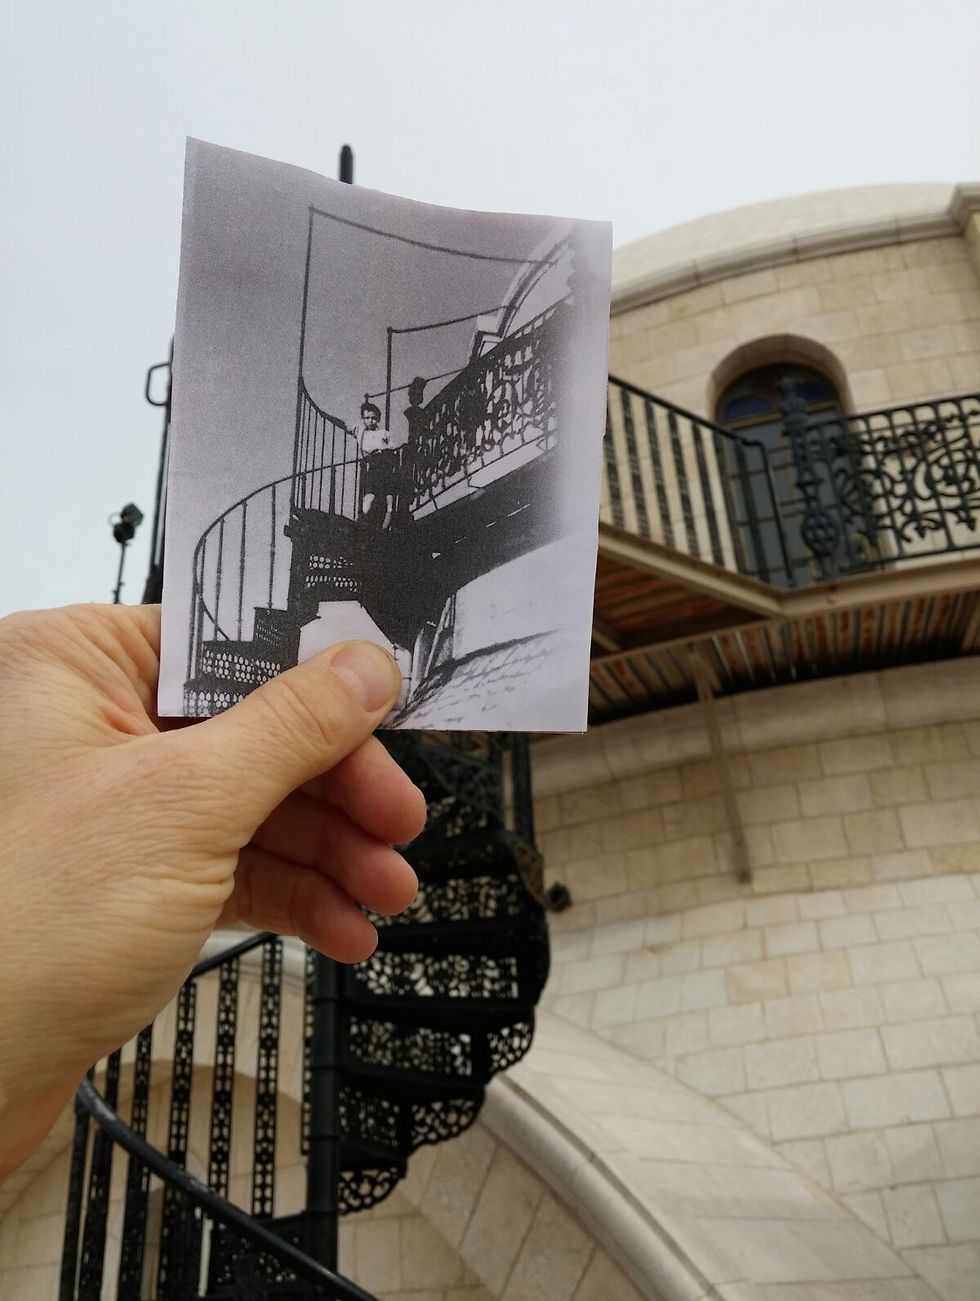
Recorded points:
127,839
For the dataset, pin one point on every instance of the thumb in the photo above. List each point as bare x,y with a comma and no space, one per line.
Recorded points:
298,725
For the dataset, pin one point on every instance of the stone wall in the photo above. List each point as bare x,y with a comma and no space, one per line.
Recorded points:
890,324
833,1002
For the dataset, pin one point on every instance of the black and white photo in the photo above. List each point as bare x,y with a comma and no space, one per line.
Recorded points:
387,423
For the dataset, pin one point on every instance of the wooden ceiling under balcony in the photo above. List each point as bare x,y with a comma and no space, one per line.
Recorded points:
653,606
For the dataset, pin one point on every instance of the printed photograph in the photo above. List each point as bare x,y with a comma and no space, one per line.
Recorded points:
387,423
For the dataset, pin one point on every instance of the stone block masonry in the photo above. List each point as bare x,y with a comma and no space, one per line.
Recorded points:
833,1003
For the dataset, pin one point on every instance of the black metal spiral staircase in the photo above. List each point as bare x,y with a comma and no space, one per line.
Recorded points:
397,1053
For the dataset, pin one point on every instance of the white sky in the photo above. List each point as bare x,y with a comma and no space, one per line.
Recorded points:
648,112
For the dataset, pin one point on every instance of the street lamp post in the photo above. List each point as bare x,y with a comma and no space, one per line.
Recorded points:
124,526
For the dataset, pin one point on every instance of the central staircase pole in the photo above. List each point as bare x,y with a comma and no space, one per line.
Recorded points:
323,1158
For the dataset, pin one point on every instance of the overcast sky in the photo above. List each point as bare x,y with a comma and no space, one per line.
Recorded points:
648,112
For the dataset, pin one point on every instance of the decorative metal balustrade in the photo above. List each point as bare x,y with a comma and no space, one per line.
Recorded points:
180,1236
349,1069
844,494
497,413
326,467
250,552
886,487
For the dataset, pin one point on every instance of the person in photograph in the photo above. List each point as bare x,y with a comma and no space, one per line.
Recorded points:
381,456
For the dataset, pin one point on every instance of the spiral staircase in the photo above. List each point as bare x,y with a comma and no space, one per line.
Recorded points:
172,1194
397,1052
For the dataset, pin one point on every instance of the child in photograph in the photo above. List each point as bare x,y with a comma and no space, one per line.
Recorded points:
380,453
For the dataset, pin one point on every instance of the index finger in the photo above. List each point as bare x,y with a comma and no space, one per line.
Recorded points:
374,791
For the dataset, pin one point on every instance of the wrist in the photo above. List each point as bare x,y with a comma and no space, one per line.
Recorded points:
35,1085
25,1121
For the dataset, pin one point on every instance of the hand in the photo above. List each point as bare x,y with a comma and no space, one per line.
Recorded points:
128,839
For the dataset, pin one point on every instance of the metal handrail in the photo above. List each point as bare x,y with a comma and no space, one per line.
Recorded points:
198,599
823,506
227,955
718,431
843,494
215,1207
664,434
683,411
844,417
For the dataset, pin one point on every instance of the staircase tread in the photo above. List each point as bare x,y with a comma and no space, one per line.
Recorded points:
510,933
501,838
428,1014
405,1086
358,1153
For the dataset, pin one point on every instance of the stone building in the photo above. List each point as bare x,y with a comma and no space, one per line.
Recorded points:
756,1068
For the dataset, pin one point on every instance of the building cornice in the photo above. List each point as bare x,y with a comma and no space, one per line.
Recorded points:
846,236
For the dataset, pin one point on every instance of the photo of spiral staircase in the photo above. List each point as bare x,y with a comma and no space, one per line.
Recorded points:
476,487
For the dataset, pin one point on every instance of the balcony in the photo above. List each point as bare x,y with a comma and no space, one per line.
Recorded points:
857,547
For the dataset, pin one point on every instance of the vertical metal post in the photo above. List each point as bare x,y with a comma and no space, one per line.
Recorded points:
325,995
74,1211
153,588
323,1159
301,453
119,577
391,335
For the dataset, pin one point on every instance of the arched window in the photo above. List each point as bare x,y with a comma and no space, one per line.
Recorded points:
750,407
752,400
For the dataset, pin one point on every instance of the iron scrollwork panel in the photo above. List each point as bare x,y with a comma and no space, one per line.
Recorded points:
896,483
501,402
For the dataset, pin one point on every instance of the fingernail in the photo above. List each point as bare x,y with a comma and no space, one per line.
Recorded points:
369,672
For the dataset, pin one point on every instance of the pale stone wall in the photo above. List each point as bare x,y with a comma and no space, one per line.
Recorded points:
833,1003
901,322
707,1209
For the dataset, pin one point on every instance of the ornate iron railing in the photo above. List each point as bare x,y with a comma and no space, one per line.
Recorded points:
842,495
837,495
240,554
496,415
504,404
889,486
244,623
180,1235
325,461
